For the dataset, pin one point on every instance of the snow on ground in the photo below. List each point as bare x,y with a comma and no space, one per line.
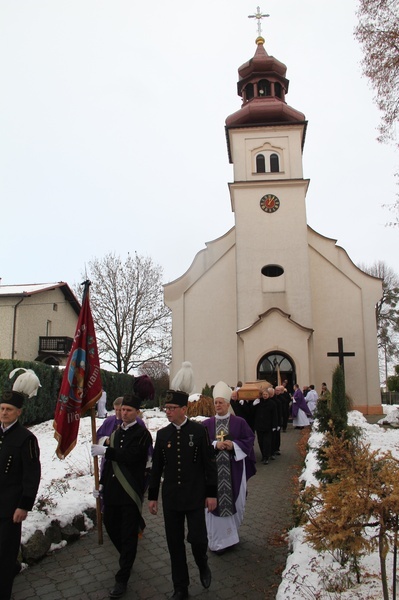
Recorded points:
66,490
312,576
66,485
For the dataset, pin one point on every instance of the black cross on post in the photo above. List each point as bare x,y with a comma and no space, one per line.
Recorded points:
341,354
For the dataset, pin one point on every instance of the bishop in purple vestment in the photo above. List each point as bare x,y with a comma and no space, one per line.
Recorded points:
233,441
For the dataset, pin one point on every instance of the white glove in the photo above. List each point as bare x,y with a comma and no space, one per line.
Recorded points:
257,401
97,493
98,450
241,402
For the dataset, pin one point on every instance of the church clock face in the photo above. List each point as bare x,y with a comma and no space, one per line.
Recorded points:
269,203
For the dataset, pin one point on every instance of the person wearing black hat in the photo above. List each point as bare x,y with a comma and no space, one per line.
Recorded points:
185,457
122,483
19,482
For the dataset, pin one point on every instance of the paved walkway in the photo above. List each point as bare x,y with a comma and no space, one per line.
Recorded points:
84,570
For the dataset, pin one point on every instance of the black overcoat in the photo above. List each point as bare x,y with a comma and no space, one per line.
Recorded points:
19,469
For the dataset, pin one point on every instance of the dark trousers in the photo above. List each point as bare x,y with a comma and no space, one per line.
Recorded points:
197,537
10,538
265,443
122,525
286,415
276,441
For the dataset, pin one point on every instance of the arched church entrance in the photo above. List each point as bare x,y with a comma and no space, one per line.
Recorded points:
277,367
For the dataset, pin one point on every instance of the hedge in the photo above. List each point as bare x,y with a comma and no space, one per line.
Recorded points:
41,407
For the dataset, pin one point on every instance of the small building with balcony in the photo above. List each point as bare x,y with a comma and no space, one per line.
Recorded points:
37,322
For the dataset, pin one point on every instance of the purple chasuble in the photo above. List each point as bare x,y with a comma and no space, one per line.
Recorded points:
244,437
110,424
300,402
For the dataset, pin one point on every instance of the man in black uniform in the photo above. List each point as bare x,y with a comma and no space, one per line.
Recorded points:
185,457
122,482
19,482
265,422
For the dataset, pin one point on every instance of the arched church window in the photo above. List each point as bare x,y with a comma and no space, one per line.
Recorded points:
263,87
249,91
276,367
272,271
274,163
278,90
260,163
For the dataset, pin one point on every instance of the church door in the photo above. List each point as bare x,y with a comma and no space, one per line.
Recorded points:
276,368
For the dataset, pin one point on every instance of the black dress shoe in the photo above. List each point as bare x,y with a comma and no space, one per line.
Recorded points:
180,594
206,576
118,590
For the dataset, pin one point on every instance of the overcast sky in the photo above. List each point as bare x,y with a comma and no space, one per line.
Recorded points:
112,129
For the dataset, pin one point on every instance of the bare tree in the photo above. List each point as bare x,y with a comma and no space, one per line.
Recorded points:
155,369
378,33
158,372
133,325
387,313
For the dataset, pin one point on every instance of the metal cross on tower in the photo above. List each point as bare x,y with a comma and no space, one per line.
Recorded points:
259,16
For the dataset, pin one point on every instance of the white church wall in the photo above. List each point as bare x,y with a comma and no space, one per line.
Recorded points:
343,301
246,141
175,292
275,332
203,304
275,238
210,326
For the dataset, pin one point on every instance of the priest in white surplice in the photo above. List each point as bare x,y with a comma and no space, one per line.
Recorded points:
233,441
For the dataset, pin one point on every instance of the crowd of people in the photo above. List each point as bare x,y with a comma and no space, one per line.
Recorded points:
269,414
201,470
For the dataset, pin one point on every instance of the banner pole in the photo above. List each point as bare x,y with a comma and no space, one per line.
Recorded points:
96,476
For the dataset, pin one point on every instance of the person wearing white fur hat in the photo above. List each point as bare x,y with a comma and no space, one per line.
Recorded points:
233,441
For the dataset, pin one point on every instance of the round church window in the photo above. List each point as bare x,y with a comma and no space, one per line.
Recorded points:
272,271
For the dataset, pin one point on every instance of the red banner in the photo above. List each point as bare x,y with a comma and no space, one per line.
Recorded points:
81,384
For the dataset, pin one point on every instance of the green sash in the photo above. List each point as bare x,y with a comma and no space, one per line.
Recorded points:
122,479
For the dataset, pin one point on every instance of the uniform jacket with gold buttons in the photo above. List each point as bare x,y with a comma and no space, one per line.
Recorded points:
186,459
19,469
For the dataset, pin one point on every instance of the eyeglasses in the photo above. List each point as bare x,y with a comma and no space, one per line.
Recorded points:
171,408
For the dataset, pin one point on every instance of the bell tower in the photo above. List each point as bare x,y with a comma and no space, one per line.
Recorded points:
265,139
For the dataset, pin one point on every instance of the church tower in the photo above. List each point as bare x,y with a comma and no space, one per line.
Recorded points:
265,142
271,297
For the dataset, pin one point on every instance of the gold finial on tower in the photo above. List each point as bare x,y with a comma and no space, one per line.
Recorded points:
259,16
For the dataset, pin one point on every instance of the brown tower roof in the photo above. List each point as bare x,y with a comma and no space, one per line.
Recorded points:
262,85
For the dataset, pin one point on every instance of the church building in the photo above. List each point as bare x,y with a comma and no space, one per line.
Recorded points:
272,298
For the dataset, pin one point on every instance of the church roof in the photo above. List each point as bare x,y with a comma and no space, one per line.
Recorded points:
261,62
263,86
